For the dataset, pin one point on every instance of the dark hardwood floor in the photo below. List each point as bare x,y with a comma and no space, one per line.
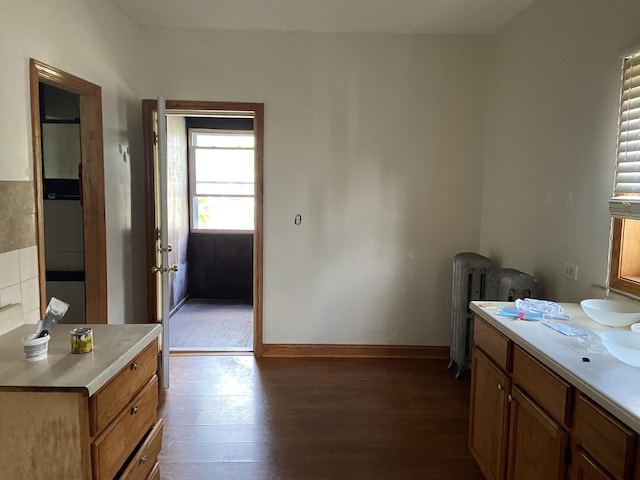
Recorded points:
238,418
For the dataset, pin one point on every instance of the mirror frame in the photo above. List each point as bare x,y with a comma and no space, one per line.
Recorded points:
92,181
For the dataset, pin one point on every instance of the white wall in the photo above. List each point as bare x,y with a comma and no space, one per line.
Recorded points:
550,144
93,40
364,135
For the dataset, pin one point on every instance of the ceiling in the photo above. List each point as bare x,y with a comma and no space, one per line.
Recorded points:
379,16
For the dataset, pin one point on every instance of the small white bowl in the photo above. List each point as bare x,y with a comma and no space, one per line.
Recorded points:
612,313
624,345
35,348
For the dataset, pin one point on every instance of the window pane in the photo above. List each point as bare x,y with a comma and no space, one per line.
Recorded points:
223,140
224,172
218,188
223,213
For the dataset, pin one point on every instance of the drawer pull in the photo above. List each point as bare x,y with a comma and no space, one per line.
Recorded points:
509,398
134,410
143,459
134,366
499,387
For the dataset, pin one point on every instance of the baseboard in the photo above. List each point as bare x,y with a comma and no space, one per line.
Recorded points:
354,351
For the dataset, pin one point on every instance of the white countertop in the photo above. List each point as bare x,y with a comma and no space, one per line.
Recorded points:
114,346
612,384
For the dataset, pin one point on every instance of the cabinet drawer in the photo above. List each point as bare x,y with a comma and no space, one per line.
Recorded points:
586,468
107,403
604,438
145,458
550,391
493,343
117,442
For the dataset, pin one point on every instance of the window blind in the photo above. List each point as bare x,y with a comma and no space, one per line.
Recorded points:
626,193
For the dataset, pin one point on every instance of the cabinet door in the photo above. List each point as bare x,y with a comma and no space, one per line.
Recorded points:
488,415
608,441
537,444
585,468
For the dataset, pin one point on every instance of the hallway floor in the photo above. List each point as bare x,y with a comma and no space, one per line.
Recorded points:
207,325
238,418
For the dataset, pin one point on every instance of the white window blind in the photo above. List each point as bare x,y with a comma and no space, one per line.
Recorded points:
626,195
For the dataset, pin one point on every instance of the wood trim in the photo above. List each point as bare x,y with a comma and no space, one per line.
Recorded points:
92,154
621,261
354,351
258,128
148,106
186,107
38,188
95,252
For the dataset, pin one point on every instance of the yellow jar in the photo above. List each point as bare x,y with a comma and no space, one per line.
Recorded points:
81,340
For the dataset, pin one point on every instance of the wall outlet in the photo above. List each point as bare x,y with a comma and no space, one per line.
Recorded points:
570,271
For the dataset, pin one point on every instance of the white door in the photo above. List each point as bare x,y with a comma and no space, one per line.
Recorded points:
162,269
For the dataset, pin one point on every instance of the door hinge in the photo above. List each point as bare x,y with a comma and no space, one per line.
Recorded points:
155,138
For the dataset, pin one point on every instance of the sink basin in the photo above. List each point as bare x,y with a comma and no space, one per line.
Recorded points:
624,345
612,313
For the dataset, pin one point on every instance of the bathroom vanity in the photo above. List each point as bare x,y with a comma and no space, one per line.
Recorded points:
548,406
81,416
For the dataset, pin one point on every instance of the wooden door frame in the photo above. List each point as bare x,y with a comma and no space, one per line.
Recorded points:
92,159
180,106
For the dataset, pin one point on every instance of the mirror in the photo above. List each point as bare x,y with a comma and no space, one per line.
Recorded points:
61,170
68,171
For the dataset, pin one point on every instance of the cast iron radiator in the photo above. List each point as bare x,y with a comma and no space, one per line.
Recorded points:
507,285
469,283
474,279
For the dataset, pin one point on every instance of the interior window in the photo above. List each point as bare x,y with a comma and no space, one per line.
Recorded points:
625,258
625,204
221,172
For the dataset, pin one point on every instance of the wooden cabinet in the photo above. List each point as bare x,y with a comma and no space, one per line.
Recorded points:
497,347
548,390
607,441
510,435
529,423
489,413
586,468
123,413
114,396
144,464
65,433
537,443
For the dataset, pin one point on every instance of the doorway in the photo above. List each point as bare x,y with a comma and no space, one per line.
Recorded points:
220,309
66,122
212,325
